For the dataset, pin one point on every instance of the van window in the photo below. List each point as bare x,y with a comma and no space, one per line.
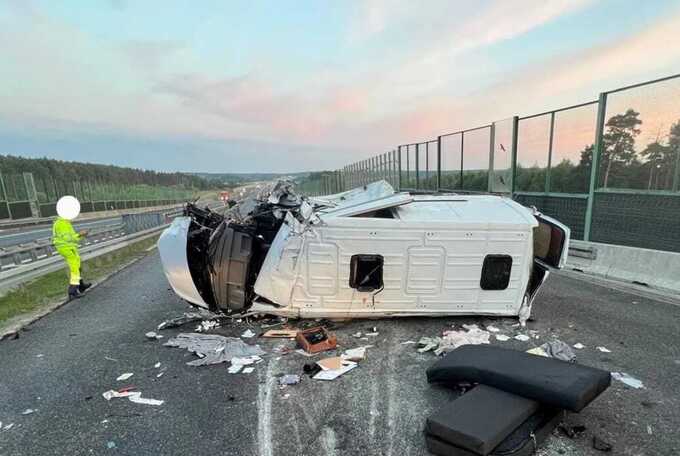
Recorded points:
496,272
366,272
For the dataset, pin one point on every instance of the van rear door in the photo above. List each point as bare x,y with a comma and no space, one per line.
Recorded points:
551,241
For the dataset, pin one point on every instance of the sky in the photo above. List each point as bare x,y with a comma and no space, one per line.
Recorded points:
277,86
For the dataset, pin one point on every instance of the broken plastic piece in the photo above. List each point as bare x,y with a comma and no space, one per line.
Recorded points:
603,349
248,370
124,376
492,329
138,399
28,411
235,368
8,427
522,337
628,380
502,337
289,379
157,365
153,335
579,346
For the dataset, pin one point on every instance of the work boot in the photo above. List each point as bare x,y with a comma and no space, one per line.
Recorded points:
83,286
74,292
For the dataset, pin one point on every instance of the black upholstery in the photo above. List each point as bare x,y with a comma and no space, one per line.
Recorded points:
480,419
549,381
523,441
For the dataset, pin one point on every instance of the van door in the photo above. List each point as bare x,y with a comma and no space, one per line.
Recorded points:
551,241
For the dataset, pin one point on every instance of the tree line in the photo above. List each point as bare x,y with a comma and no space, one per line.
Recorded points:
68,171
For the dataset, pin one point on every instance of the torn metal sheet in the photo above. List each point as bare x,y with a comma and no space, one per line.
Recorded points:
212,348
367,252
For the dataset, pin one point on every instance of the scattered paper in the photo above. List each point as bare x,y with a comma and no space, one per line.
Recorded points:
492,329
157,365
538,351
579,346
212,348
138,399
522,337
332,374
628,380
248,370
502,337
331,363
124,376
235,368
603,349
248,334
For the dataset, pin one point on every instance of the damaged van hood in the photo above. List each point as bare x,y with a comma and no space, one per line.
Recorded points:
366,252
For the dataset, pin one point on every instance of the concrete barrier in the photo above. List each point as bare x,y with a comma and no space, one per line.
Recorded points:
653,268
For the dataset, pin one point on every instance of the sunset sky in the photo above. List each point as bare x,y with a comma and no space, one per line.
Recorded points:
302,85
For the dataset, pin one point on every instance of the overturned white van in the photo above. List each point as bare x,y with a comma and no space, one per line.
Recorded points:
368,252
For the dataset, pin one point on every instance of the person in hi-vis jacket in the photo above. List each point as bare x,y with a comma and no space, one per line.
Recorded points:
65,240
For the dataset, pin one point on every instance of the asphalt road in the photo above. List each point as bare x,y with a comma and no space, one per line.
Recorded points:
62,365
14,236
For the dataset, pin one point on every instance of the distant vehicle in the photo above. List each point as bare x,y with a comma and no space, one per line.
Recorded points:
367,252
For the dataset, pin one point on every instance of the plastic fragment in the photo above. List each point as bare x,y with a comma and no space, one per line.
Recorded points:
603,349
153,335
124,376
502,337
248,370
628,380
157,365
28,411
492,329
522,337
8,427
579,346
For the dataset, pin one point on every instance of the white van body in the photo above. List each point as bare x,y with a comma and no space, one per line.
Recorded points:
430,251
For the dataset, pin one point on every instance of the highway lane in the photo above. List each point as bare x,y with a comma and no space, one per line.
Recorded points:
62,365
14,236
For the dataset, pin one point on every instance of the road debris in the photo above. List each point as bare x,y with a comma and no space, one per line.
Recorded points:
124,376
133,396
311,369
248,370
332,374
189,317
453,339
427,344
8,427
559,350
315,340
153,335
160,374
603,349
281,333
571,431
502,337
28,411
157,365
408,342
628,380
108,358
579,346
110,445
356,354
522,337
601,445
333,363
39,355
247,334
207,325
212,348
492,329
289,379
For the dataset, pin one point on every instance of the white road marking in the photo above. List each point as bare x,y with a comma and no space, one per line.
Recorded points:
264,411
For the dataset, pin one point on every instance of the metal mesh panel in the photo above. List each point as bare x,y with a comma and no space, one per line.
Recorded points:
644,220
533,148
570,210
427,165
641,143
476,145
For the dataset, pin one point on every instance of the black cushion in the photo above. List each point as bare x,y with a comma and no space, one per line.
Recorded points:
523,441
546,380
480,419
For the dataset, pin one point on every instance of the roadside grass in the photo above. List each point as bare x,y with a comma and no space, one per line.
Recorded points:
51,288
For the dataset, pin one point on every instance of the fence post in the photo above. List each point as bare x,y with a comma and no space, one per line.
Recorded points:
462,155
439,163
418,166
594,164
492,144
399,168
550,151
513,156
676,175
